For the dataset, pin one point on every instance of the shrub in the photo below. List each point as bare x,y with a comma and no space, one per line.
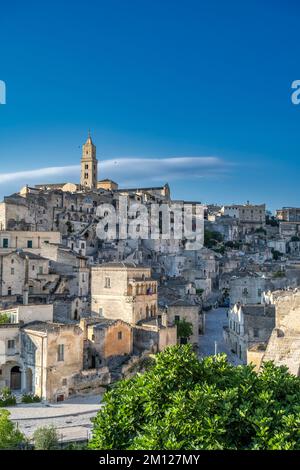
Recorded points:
7,398
30,398
46,438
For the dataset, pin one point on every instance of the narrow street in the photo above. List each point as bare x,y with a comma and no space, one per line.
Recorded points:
213,337
71,418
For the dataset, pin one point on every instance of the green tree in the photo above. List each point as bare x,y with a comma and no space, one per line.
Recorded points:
186,404
46,438
212,238
184,328
4,318
10,437
271,220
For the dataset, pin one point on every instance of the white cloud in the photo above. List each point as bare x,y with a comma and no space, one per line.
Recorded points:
147,170
127,172
34,175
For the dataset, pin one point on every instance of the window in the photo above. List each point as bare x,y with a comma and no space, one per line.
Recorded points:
29,243
41,270
5,242
61,352
177,318
120,335
9,291
13,318
11,344
86,167
33,267
255,332
12,271
107,282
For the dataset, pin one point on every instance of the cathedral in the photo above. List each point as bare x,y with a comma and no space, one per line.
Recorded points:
89,165
88,175
89,179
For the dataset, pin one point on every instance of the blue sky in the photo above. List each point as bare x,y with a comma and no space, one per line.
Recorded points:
206,83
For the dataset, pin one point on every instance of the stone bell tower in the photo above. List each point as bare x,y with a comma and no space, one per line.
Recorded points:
89,165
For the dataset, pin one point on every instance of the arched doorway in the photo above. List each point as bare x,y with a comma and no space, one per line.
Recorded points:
15,378
29,383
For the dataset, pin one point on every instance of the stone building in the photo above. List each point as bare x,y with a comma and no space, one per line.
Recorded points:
27,241
89,166
107,184
287,230
105,340
12,371
52,354
21,270
283,346
123,291
288,214
246,287
184,309
248,325
154,334
250,217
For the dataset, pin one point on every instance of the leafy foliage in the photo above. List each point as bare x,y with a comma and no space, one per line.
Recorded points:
184,403
279,274
271,220
46,438
212,238
276,254
7,398
4,318
30,398
184,328
10,437
233,244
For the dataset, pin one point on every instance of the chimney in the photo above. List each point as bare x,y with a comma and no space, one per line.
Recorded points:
25,295
164,318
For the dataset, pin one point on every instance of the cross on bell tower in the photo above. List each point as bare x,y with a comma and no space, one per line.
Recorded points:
89,165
